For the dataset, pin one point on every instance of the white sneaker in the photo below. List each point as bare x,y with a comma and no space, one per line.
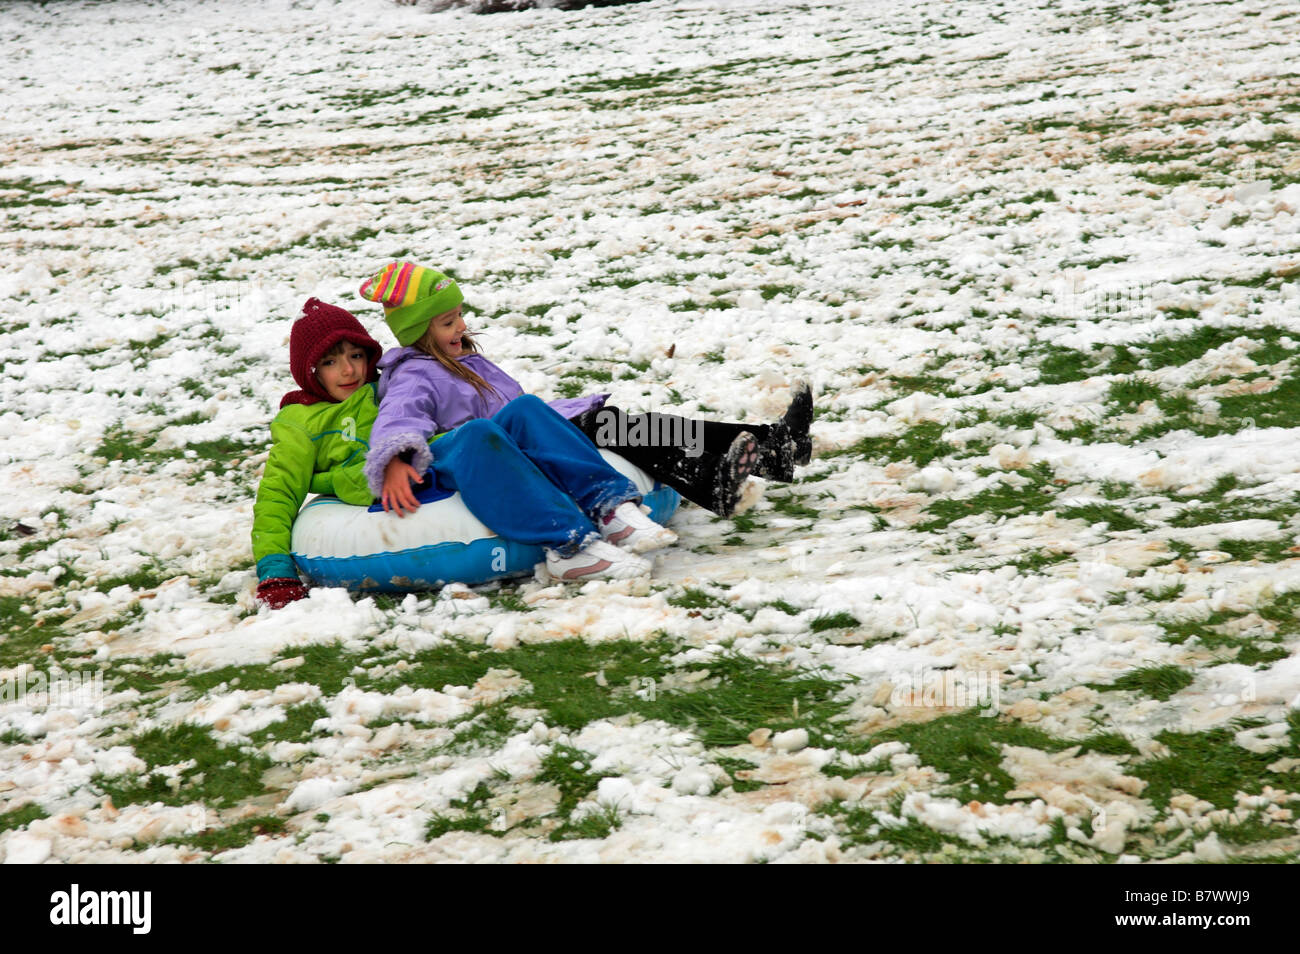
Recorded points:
597,561
628,528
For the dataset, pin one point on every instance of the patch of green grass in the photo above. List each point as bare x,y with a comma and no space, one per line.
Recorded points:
1098,262
221,775
216,840
484,730
121,444
967,747
1114,517
360,100
325,666
1107,743
916,839
508,598
855,823
1177,633
733,765
1059,365
926,383
208,456
920,444
453,665
1215,506
1116,490
592,374
146,348
771,291
1035,561
1265,551
1178,412
440,825
1279,407
1256,655
569,770
1062,365
784,607
1127,393
594,824
1158,682
144,675
833,621
148,578
1158,156
1173,177
903,245
692,598
792,505
1252,831
1254,281
748,695
562,677
1018,420
635,82
195,388
296,726
1282,610
1164,594
1208,765
1178,350
1002,499
21,817
20,637
28,547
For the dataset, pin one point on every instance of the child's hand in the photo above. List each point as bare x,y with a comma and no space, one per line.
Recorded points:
398,478
280,591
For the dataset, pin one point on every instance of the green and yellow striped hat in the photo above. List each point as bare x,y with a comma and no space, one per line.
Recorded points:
411,295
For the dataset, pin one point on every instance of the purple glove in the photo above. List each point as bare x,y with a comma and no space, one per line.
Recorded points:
280,591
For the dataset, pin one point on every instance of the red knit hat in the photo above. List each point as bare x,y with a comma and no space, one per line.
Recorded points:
320,328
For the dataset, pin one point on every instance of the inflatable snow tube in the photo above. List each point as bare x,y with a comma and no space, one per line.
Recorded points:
365,549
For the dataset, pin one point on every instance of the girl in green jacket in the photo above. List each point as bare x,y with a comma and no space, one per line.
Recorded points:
318,440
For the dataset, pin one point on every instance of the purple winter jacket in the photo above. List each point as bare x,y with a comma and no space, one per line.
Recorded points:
419,398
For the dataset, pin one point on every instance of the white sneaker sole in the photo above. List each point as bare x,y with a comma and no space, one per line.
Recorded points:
624,567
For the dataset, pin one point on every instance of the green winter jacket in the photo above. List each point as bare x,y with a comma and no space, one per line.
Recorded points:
315,449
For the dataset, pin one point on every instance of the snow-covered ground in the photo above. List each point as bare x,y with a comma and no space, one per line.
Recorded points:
1039,262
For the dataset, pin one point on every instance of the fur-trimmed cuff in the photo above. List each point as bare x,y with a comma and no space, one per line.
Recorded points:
379,455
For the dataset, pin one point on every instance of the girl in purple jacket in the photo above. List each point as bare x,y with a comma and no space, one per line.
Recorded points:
519,466
438,381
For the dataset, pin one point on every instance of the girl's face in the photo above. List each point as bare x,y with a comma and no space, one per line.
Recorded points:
342,372
447,329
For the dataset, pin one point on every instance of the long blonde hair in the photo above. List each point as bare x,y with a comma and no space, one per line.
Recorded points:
429,346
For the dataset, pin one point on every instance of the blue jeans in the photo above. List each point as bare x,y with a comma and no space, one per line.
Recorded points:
530,475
